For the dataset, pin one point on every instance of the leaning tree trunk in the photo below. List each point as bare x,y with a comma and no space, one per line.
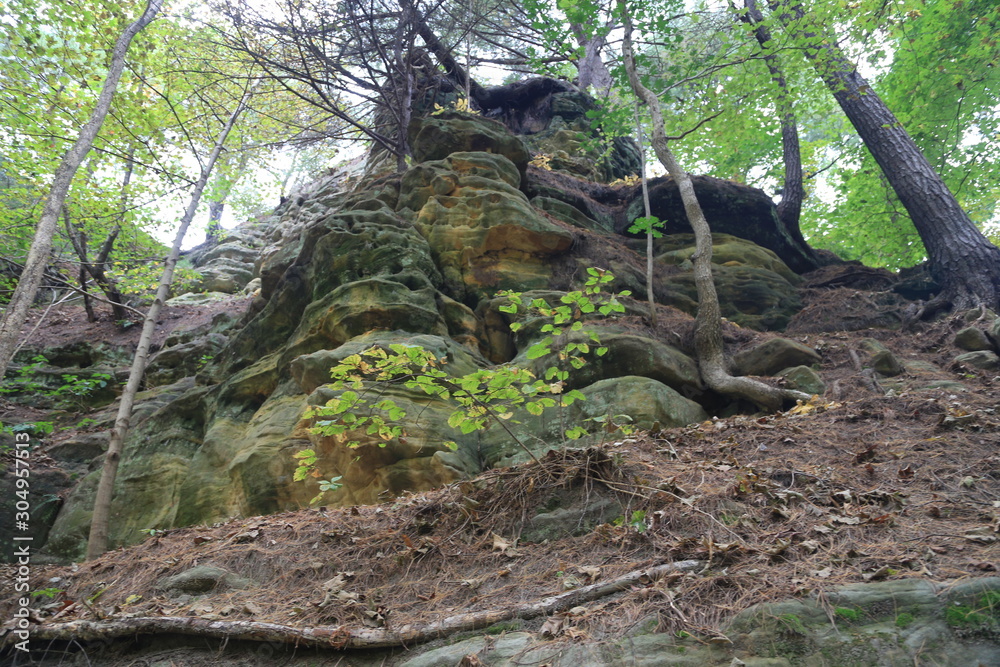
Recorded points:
708,323
41,246
97,542
963,261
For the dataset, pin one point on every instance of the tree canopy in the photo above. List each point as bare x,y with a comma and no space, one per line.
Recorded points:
330,73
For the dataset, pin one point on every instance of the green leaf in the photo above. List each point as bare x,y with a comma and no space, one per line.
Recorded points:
539,349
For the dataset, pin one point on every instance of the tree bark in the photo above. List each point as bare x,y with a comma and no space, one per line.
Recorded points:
98,540
591,68
650,293
793,191
708,322
213,230
963,261
224,184
41,245
97,268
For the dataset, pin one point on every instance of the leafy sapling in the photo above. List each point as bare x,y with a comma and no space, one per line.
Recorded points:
648,224
362,410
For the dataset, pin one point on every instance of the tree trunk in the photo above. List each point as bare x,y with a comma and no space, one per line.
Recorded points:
41,246
793,191
223,187
79,240
404,90
97,270
650,293
708,322
213,231
963,261
97,542
591,68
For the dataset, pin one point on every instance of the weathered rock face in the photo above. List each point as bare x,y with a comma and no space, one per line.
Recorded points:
893,624
228,265
482,231
756,289
730,208
416,259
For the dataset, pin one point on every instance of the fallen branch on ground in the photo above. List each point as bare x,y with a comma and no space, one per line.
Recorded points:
341,637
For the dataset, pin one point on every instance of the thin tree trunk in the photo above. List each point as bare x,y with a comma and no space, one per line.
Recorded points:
793,191
404,91
97,543
708,323
79,241
963,261
41,247
214,228
223,188
96,269
650,295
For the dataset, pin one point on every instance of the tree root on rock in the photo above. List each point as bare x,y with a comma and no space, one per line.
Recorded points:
342,637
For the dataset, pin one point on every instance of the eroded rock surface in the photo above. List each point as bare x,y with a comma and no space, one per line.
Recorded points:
414,258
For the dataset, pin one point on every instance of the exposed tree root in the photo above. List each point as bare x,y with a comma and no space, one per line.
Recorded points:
339,636
868,377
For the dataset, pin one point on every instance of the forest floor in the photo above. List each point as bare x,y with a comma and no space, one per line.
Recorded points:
869,483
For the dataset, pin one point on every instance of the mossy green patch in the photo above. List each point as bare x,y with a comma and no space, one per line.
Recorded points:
504,626
853,615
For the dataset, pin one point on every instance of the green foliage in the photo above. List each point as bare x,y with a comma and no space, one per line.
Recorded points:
38,429
647,225
853,615
636,521
943,85
984,611
71,393
363,410
142,279
49,593
792,623
24,381
934,64
76,389
904,620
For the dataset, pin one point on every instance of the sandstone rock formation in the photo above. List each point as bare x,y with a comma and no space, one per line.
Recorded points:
414,258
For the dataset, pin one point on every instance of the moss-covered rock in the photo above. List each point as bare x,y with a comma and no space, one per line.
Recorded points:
987,360
972,339
749,296
438,136
731,208
483,232
727,250
774,355
803,378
